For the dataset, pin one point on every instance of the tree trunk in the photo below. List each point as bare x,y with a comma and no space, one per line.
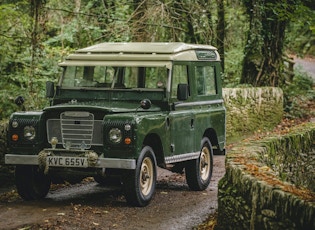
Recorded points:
34,12
262,64
221,30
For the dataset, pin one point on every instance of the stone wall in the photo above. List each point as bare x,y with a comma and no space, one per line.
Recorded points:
252,109
251,193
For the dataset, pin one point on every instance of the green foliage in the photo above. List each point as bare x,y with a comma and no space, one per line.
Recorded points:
31,47
298,95
300,37
14,38
236,28
233,70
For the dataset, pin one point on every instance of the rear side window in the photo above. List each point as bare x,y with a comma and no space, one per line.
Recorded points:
205,80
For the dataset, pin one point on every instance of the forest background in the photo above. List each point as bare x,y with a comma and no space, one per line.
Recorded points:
254,39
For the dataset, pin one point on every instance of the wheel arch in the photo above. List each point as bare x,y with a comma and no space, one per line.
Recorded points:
154,141
211,134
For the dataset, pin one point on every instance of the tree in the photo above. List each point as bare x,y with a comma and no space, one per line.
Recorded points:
35,10
264,50
140,34
221,30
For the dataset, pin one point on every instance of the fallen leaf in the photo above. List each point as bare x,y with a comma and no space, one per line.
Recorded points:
25,228
264,168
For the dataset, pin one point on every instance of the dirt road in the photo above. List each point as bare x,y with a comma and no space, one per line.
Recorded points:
90,206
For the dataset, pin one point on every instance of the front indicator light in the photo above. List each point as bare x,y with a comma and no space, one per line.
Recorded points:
127,141
15,137
29,132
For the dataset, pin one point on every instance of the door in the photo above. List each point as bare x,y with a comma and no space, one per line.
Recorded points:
182,123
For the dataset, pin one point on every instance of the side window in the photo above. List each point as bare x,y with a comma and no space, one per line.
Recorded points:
205,80
180,76
145,77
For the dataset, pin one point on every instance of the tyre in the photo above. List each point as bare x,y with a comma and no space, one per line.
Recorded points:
199,171
31,183
139,184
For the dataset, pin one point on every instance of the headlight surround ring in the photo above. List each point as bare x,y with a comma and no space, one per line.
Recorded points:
29,132
115,135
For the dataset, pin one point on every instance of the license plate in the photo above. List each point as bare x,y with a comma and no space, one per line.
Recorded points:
59,161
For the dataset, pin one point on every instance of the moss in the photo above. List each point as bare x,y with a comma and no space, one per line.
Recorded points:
251,109
251,195
292,155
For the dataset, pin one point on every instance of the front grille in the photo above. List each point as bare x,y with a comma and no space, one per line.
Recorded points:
76,129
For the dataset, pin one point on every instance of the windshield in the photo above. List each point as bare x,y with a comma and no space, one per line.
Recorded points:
114,77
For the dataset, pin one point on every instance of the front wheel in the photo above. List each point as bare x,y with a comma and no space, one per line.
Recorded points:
31,182
199,171
139,184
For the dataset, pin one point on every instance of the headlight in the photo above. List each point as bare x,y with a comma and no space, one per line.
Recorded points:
115,135
29,132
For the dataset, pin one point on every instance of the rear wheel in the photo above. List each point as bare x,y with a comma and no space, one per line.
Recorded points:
199,171
139,184
31,183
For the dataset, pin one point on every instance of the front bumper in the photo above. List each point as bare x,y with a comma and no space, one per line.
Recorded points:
15,159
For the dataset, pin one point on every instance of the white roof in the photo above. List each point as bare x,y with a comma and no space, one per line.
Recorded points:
144,47
141,52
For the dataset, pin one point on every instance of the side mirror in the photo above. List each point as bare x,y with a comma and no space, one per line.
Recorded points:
145,104
182,92
50,89
19,100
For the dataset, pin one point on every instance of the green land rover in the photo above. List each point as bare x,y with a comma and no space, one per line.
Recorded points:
119,111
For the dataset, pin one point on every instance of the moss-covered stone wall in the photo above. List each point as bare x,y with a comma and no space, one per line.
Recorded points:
292,156
252,109
254,194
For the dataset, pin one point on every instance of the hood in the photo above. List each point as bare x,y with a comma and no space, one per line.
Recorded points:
105,106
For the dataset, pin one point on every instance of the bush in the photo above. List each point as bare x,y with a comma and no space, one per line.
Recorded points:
299,96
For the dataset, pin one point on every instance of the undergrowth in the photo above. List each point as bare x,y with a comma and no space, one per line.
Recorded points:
299,97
